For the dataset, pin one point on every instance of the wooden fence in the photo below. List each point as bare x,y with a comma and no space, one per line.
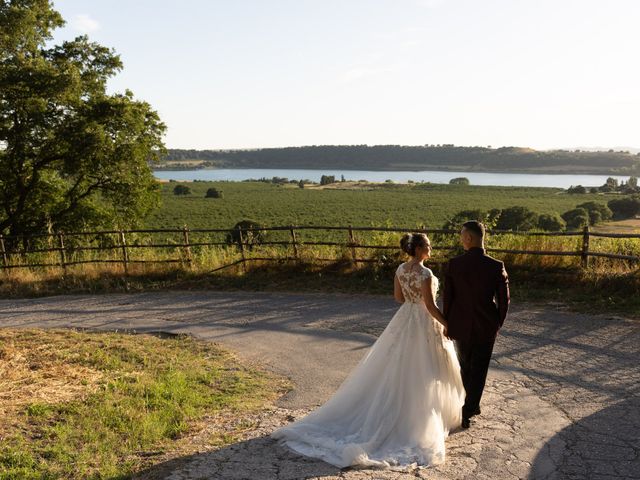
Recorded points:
243,241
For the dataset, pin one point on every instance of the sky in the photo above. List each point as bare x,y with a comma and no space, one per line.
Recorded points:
272,73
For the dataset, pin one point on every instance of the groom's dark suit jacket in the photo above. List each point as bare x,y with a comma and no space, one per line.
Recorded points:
476,297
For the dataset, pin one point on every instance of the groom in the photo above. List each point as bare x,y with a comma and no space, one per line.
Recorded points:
475,301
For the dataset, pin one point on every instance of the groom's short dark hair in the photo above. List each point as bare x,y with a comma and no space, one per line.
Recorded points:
475,227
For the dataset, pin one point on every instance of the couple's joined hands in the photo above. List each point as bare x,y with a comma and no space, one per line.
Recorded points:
445,331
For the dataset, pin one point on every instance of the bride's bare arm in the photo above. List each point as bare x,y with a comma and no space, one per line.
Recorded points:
430,302
397,290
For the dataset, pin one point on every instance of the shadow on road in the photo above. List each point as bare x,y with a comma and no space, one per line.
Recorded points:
259,458
584,365
603,445
587,366
306,314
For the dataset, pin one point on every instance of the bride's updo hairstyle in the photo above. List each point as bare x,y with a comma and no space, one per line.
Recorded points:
410,241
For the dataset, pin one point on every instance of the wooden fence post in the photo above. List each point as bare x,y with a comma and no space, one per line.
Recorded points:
352,242
185,235
294,242
5,258
244,258
125,256
63,257
584,253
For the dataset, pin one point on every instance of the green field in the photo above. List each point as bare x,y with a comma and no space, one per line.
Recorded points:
378,205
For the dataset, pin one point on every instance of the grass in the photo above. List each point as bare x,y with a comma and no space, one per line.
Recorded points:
367,205
81,405
606,286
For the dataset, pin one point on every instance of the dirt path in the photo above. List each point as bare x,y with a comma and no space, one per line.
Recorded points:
563,396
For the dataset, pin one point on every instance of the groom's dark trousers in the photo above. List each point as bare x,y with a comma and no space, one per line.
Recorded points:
475,303
474,364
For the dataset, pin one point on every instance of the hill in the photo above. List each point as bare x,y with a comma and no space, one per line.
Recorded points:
412,158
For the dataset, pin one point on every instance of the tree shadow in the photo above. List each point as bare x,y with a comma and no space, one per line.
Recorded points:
255,458
175,312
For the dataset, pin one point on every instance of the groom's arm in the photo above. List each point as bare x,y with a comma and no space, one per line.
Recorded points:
502,294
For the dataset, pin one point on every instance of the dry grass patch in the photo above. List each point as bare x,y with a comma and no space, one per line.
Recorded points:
106,405
31,374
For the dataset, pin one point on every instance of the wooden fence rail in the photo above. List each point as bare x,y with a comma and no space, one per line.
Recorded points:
244,243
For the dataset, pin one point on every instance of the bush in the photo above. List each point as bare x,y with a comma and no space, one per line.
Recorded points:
517,218
213,193
181,190
551,222
459,181
250,238
576,218
598,212
459,218
626,207
576,189
489,219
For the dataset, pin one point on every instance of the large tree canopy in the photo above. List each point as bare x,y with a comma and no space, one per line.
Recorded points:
71,155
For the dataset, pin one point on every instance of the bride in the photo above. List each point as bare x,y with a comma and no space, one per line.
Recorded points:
400,402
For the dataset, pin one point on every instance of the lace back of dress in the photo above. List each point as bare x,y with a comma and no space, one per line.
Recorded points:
411,278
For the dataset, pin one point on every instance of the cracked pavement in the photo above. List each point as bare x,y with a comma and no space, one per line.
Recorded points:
562,398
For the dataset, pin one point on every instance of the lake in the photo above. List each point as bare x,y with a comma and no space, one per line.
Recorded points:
476,178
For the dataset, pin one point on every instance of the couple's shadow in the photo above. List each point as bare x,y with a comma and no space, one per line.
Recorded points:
260,457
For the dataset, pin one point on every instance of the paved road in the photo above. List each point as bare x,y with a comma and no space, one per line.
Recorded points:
562,401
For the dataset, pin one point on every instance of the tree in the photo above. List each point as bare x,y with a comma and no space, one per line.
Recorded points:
71,155
327,179
213,193
181,190
551,222
301,184
633,183
576,218
626,207
612,183
517,218
598,212
459,181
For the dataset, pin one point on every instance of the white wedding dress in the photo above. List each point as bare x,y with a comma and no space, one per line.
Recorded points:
399,403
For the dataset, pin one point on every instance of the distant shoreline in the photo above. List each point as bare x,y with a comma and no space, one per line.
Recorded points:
528,171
